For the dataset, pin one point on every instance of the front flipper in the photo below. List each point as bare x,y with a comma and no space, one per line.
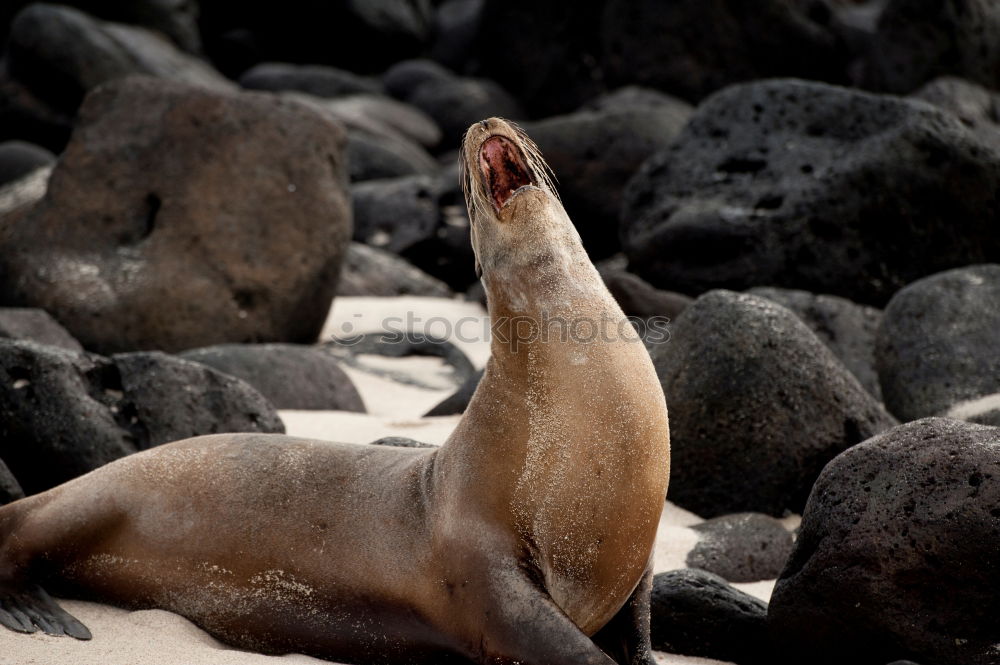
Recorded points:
626,637
525,626
28,608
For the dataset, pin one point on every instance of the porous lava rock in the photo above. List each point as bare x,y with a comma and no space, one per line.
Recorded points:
810,186
896,555
758,405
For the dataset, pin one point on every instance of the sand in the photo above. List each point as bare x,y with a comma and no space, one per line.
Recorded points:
433,316
395,408
155,637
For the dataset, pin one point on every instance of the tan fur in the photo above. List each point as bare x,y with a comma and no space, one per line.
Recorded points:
584,424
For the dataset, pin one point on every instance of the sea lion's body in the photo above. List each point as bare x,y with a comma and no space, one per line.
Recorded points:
264,540
526,537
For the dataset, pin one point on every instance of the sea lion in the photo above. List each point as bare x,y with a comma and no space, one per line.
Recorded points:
527,537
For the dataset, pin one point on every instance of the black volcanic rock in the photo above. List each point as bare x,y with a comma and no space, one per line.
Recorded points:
364,37
18,159
408,130
370,271
61,53
60,414
395,213
696,613
896,555
172,399
456,402
713,43
846,327
290,376
455,102
176,19
63,413
372,157
939,347
404,78
550,63
10,489
595,153
26,117
636,98
318,80
977,107
918,40
636,297
758,405
742,547
568,52
809,186
456,26
56,54
423,219
35,325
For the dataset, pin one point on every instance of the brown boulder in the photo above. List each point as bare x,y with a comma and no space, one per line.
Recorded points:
181,217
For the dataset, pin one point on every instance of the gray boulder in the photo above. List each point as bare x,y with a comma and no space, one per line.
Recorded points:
742,547
290,376
847,328
370,271
64,413
939,347
35,325
758,405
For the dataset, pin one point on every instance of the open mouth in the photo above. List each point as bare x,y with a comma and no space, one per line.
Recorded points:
503,168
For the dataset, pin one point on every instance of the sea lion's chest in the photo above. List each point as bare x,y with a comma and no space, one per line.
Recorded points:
591,488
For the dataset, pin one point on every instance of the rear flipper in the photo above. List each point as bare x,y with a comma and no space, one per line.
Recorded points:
27,608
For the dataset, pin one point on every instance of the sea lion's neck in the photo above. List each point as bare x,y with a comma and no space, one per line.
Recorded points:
534,265
553,324
540,276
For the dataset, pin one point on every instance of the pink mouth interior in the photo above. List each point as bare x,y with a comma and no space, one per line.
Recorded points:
503,168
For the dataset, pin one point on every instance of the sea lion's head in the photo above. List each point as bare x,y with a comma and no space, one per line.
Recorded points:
513,205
